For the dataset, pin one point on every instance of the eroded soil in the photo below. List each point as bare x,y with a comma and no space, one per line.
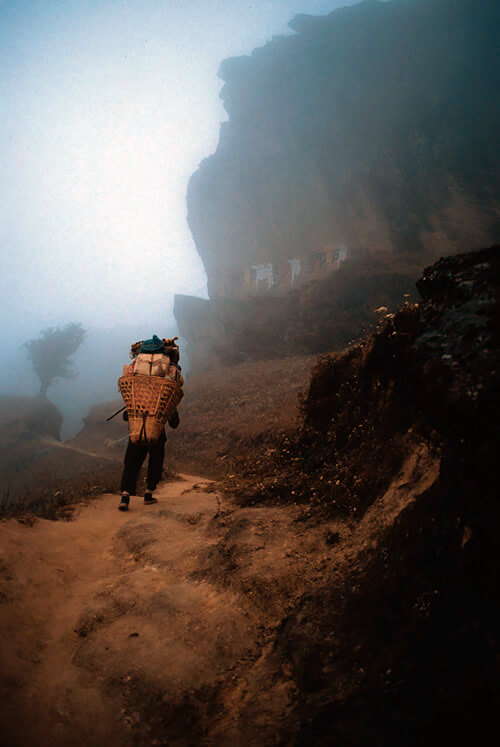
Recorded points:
156,626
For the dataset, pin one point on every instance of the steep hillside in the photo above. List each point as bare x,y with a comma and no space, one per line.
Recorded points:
374,128
430,372
369,135
27,418
40,473
399,435
225,408
340,586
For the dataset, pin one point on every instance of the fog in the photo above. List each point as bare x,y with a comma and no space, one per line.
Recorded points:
108,108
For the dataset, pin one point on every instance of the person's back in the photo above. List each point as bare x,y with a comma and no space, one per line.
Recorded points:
159,360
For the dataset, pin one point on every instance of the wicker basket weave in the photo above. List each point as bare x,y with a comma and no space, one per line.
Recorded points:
150,402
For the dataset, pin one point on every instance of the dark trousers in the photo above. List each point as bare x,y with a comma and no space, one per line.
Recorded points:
134,459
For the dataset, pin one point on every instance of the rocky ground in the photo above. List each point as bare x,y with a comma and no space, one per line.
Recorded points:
337,584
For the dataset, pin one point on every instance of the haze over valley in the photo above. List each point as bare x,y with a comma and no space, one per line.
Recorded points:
108,108
311,556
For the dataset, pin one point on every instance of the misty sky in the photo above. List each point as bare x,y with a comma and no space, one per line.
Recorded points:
108,106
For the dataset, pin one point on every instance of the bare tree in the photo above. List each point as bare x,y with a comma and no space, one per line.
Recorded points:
50,353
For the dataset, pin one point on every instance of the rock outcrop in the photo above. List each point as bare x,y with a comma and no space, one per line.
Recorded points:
372,128
370,133
399,439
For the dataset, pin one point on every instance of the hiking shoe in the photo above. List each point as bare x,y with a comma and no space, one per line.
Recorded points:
149,498
124,502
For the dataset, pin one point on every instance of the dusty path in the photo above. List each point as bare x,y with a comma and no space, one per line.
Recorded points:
156,626
71,449
60,581
119,626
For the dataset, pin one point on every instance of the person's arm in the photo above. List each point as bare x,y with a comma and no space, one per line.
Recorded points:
174,420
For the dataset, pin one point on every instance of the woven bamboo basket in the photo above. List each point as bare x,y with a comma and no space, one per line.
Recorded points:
150,402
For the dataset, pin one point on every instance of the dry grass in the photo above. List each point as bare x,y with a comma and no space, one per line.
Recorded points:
57,499
224,408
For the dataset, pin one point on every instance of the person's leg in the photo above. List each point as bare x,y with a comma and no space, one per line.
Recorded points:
155,468
134,458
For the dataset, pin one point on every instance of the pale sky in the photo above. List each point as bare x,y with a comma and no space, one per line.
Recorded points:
108,106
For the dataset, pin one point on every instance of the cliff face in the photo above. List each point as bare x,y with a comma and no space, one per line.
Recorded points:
373,128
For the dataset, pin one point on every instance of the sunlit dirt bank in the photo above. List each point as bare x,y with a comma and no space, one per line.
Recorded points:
337,584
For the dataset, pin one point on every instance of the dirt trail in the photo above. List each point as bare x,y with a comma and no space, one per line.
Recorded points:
106,616
121,628
71,449
59,580
53,443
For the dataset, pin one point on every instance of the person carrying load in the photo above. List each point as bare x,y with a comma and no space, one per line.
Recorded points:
151,387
